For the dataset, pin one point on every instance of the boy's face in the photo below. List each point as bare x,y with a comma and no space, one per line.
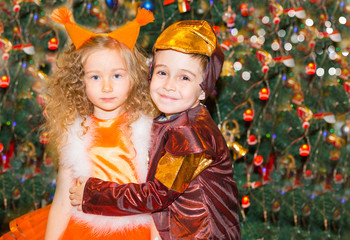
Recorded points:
175,84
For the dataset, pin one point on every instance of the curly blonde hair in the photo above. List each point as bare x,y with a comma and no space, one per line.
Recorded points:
66,89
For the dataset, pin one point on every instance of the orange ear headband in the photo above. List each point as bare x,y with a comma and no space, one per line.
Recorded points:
126,34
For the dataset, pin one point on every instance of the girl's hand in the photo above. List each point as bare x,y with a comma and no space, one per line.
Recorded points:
77,192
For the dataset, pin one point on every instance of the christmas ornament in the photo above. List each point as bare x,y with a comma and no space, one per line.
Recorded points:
227,69
264,94
245,202
292,83
345,73
335,36
44,137
16,31
148,5
334,155
276,10
311,68
304,150
258,160
308,174
16,194
226,45
305,210
229,17
336,141
251,140
53,43
298,98
4,81
48,162
288,61
244,10
184,6
112,4
304,113
306,124
300,13
276,206
1,147
336,214
345,131
5,55
16,7
248,115
238,150
264,58
338,179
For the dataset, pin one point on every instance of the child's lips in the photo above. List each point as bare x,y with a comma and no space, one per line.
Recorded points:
108,99
167,97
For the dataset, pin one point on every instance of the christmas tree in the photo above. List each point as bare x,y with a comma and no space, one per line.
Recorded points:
282,103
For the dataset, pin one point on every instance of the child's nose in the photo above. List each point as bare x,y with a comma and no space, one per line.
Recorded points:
107,86
169,84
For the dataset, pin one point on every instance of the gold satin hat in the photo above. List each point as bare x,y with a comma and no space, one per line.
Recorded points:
195,36
191,36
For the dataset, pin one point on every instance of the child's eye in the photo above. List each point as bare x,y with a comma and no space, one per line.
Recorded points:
161,73
95,77
117,76
185,78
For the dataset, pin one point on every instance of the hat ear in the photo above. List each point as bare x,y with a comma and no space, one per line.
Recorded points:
128,33
76,33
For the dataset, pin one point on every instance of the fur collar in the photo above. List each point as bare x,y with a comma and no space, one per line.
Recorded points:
74,156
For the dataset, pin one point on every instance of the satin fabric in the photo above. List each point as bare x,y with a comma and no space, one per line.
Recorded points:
207,209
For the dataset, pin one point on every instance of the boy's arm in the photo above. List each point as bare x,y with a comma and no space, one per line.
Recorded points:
173,176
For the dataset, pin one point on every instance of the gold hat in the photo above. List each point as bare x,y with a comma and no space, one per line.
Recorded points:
188,37
194,36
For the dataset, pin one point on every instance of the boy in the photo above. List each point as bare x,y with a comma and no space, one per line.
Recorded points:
189,190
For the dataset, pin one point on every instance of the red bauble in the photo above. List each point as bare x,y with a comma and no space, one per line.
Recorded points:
304,150
5,55
1,147
311,68
44,137
276,206
53,44
264,94
308,174
251,140
16,7
244,10
4,81
265,68
248,115
258,160
245,202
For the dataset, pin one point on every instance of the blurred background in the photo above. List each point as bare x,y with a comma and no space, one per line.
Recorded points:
282,103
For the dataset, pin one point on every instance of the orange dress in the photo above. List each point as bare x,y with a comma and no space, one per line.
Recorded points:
112,158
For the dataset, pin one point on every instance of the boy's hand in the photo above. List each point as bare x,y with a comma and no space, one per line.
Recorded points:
77,192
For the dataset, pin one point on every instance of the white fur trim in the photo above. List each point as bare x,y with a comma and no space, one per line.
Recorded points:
141,138
74,155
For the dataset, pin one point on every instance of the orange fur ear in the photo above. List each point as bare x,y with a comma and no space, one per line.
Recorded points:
144,17
62,15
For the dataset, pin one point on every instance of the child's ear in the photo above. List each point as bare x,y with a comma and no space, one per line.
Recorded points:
202,95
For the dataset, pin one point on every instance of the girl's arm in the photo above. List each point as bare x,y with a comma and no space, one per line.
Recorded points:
60,211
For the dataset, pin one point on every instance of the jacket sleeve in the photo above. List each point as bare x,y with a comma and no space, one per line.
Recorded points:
173,175
112,199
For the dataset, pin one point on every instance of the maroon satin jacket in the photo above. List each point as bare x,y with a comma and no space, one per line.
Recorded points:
207,209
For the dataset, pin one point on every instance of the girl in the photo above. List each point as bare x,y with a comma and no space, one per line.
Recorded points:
99,117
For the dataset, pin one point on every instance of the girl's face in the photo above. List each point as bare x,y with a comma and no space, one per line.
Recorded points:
107,82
